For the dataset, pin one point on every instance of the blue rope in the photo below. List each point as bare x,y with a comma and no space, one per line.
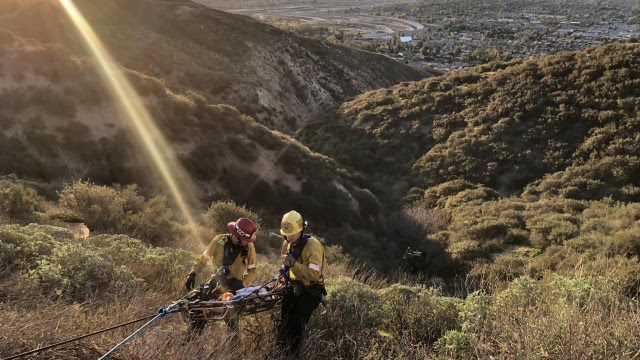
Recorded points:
161,313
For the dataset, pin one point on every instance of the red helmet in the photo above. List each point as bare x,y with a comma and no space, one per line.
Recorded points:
243,229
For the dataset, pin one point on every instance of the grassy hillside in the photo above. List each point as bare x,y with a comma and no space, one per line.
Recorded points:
275,77
59,124
57,286
503,125
518,182
533,164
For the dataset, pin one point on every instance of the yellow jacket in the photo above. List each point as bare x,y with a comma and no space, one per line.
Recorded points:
243,268
310,265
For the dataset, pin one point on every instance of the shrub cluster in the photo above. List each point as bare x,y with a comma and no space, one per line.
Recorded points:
220,213
100,267
529,319
19,202
120,211
502,125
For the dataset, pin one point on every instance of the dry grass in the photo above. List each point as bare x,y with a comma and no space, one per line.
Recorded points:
599,327
556,318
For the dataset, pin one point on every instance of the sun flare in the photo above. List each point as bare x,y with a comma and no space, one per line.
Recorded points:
157,147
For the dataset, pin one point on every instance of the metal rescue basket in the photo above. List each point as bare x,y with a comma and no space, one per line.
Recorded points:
247,301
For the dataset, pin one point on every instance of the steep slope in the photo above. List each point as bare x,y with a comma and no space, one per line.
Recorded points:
276,77
503,125
58,123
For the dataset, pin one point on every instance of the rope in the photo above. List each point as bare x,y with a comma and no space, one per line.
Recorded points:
161,312
76,339
175,307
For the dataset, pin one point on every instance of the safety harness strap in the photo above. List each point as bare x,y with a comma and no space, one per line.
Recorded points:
285,272
231,253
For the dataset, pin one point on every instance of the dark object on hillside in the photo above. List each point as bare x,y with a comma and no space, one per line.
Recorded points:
416,261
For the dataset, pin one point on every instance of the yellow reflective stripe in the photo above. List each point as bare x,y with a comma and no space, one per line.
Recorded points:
315,267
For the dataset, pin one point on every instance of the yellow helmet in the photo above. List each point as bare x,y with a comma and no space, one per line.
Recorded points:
292,223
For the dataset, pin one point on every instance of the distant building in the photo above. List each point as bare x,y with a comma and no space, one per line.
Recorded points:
405,39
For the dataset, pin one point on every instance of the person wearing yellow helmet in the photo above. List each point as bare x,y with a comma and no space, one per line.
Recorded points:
304,264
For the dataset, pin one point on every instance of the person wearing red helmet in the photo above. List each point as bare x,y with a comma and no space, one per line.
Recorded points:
234,255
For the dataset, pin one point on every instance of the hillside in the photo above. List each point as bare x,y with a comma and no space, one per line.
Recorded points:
59,124
276,77
503,125
518,183
533,164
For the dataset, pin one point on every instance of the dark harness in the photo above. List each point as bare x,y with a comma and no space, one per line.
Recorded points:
316,290
230,255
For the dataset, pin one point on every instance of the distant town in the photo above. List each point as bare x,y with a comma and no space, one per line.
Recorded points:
447,35
463,34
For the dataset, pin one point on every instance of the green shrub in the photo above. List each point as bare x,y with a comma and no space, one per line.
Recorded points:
419,313
109,210
22,245
411,226
220,213
551,228
100,267
162,268
437,196
368,203
627,241
353,305
497,274
152,223
454,345
203,160
246,151
360,242
18,201
269,242
555,316
476,196
102,208
334,254
82,273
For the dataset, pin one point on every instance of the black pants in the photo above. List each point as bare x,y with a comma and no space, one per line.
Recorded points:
296,312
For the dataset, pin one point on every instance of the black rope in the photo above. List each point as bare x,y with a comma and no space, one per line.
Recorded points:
76,339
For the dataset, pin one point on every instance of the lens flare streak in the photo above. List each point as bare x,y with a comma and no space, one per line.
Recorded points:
146,131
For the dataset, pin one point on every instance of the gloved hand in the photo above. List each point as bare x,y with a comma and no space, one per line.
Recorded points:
191,281
288,261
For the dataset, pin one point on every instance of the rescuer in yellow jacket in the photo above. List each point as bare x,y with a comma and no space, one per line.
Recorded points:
304,264
234,257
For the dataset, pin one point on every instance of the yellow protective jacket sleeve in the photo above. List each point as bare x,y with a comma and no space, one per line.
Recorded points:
310,266
243,268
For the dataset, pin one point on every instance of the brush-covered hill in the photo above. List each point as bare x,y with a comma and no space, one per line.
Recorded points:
568,120
276,77
533,164
58,123
556,263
